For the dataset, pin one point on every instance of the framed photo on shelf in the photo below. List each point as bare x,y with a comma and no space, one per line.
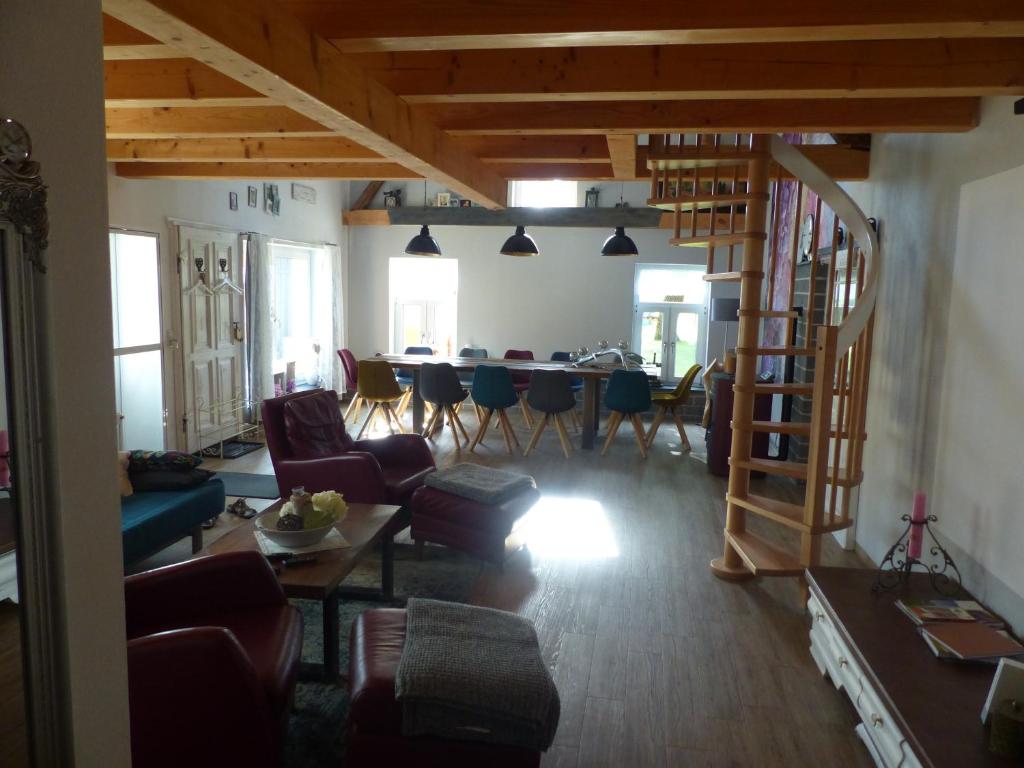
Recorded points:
591,197
444,199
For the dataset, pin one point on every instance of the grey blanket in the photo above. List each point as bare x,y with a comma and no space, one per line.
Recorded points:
483,484
474,674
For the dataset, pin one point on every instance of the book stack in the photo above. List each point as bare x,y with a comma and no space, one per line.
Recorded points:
961,630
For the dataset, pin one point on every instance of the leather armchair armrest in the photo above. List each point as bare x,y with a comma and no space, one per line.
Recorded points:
400,451
175,595
194,695
356,475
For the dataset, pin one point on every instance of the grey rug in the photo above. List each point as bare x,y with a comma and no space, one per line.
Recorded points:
316,734
249,485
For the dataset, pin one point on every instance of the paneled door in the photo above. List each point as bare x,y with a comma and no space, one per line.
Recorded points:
212,348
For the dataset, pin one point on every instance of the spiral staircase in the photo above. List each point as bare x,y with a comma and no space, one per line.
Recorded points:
727,193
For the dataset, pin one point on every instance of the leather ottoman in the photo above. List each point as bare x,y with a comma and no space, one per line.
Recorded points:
486,531
375,715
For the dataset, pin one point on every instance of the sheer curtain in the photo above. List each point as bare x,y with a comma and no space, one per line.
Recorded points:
258,312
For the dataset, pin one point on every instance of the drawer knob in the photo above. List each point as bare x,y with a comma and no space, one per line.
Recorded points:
843,662
876,720
819,615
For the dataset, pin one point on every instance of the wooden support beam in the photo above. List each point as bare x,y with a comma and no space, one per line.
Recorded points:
368,193
193,171
725,116
261,44
174,83
534,149
860,69
121,41
468,24
330,149
208,122
622,150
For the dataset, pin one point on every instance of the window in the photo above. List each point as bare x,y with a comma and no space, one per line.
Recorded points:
301,309
543,194
669,320
423,299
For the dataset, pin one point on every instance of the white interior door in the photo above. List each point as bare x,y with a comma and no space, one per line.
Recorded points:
669,335
212,352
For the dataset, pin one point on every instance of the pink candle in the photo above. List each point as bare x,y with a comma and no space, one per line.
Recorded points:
5,467
917,519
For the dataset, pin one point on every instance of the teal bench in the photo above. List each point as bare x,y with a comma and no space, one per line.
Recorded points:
152,520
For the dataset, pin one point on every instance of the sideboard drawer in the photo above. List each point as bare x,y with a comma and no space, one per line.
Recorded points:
835,655
880,727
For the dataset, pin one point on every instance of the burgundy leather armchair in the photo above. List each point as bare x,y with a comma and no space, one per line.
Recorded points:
309,446
213,654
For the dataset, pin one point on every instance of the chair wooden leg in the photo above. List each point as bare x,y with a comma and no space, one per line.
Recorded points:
458,422
354,407
659,417
682,430
430,428
452,418
479,413
613,426
403,403
390,412
641,435
575,419
563,435
510,434
526,409
536,434
481,431
369,417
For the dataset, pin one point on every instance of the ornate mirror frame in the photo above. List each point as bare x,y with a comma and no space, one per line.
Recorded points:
23,240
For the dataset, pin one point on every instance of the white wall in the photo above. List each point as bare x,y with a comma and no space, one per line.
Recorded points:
51,79
916,408
567,296
148,204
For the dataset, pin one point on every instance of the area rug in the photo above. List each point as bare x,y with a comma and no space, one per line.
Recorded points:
316,734
249,486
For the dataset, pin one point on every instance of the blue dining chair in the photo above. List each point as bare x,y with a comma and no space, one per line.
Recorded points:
405,378
493,393
628,395
466,377
576,382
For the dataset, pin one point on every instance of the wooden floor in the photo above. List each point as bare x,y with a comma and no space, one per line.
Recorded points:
657,662
13,734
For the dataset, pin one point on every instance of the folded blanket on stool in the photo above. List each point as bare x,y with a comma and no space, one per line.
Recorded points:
483,484
474,674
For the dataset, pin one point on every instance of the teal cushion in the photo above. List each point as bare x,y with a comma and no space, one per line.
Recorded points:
152,520
628,392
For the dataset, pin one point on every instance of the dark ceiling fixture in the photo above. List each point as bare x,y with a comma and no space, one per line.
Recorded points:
424,243
1018,107
619,244
520,244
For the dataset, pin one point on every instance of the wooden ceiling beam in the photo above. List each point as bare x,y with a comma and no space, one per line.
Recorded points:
469,24
537,149
760,116
121,41
198,171
174,83
859,69
208,122
260,43
622,151
331,149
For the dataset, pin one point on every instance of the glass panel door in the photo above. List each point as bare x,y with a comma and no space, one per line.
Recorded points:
138,348
686,330
652,344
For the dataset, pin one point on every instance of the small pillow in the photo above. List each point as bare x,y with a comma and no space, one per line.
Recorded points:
122,474
314,426
162,480
142,461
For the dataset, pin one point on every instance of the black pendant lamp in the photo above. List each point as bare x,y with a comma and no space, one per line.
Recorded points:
619,244
424,243
520,244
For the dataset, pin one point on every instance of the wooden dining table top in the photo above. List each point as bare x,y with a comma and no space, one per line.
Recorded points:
469,363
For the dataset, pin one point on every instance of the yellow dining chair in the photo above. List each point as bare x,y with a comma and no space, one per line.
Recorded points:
667,402
377,385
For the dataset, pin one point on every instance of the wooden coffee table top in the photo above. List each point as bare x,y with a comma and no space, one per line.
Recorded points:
363,527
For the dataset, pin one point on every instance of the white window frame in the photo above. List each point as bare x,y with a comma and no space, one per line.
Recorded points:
670,309
521,193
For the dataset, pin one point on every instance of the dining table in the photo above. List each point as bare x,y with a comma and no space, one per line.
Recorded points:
590,374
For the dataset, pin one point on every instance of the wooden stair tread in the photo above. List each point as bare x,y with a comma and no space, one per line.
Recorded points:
784,512
776,351
727,238
701,202
723,277
797,469
791,388
762,558
781,427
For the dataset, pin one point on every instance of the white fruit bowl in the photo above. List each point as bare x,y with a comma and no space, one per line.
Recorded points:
267,523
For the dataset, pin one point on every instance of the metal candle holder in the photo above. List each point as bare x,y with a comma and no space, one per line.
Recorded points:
897,565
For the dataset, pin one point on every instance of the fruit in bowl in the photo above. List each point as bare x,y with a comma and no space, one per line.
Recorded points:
304,520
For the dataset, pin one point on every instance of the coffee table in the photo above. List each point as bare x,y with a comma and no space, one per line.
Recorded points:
364,527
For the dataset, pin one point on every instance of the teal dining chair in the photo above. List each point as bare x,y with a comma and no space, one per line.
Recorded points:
628,395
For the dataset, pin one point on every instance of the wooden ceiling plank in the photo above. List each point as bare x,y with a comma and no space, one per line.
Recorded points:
198,171
468,24
209,122
533,149
622,151
121,41
241,150
174,83
728,116
260,43
861,69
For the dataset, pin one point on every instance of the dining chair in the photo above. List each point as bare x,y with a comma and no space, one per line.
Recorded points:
667,402
440,386
628,395
351,369
521,380
466,377
551,393
377,385
494,393
405,378
575,381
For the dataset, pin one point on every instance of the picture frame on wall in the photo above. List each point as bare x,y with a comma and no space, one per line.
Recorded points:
444,199
252,197
271,199
233,201
590,201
